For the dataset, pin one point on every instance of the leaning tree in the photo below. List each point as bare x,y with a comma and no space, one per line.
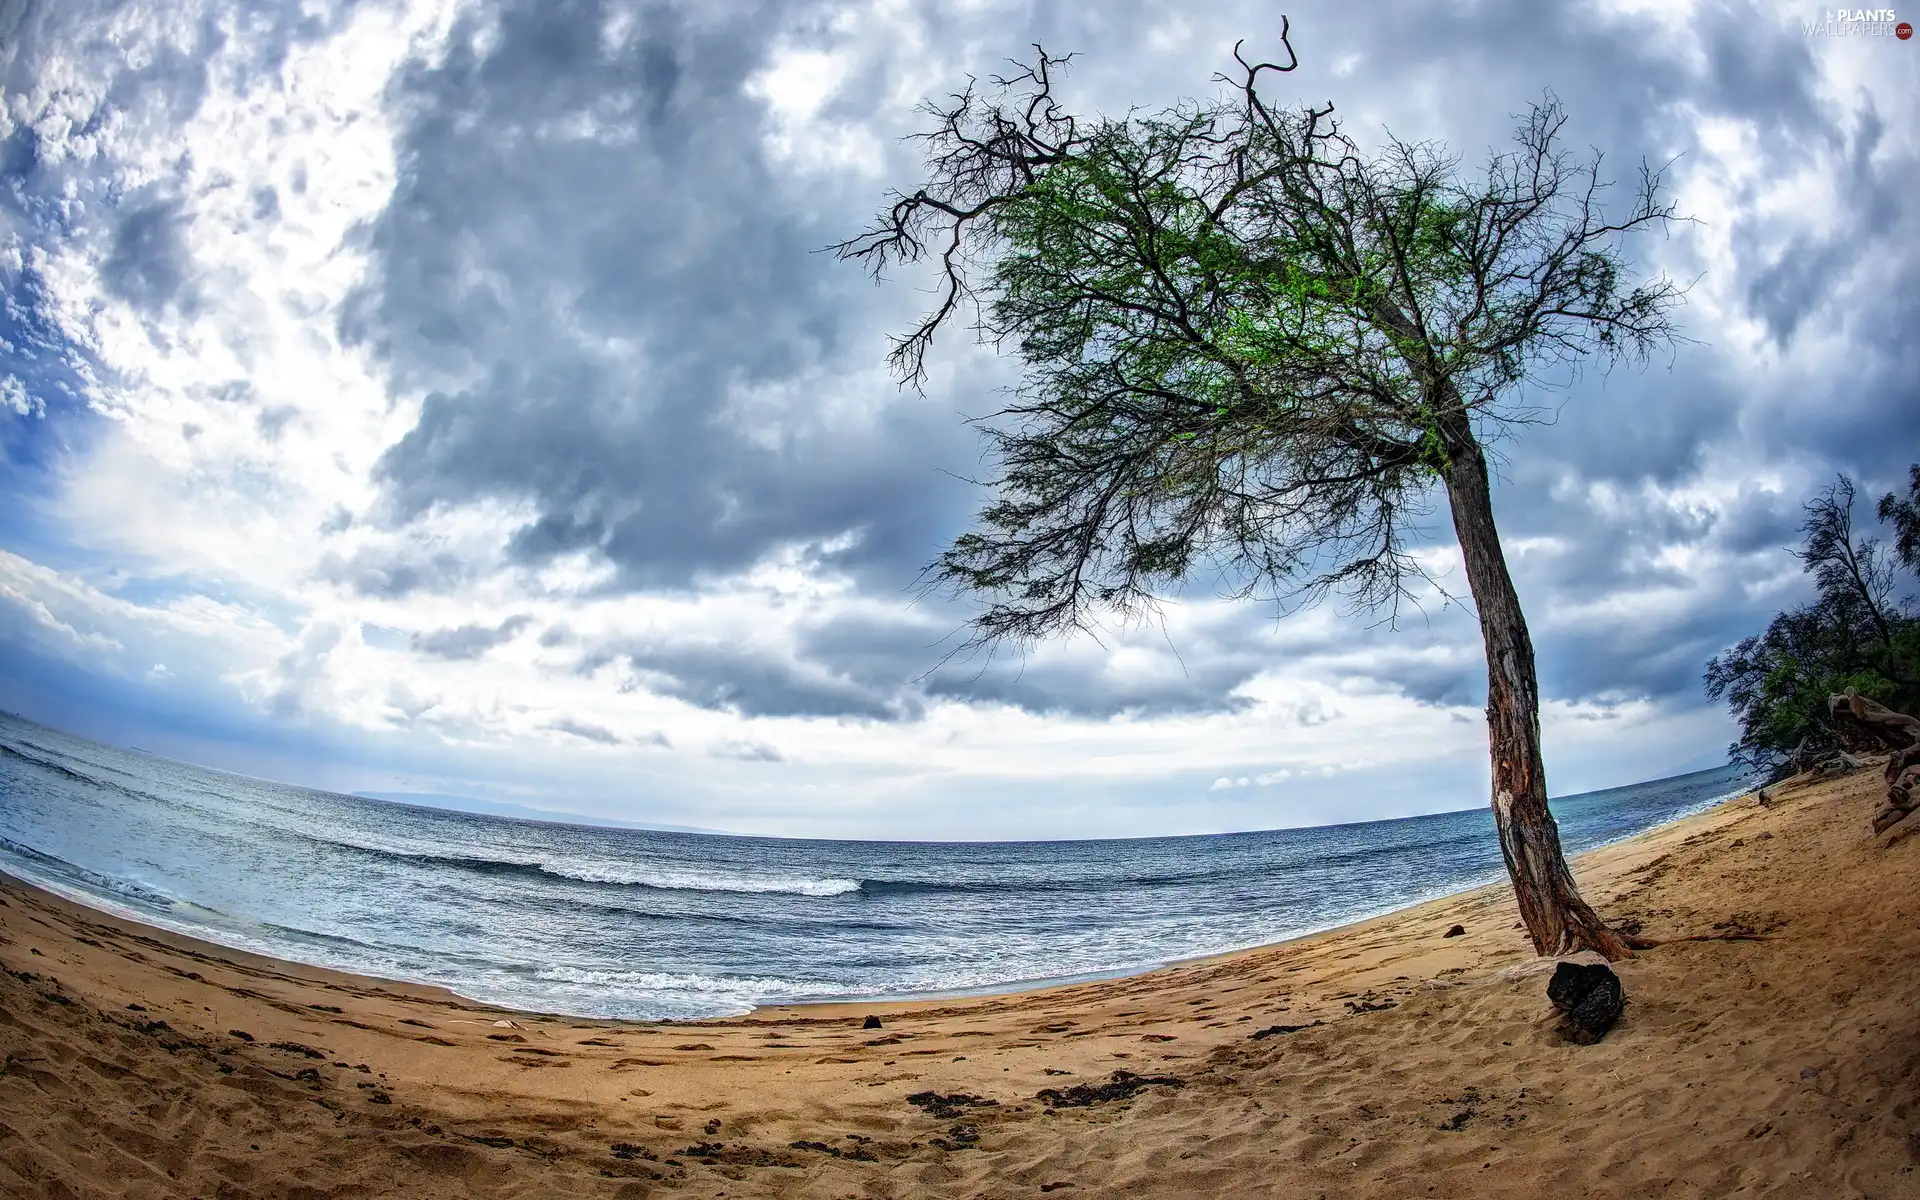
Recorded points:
1254,349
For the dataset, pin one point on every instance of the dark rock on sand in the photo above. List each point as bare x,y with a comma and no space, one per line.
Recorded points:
1121,1086
870,1023
1259,1035
296,1048
1591,997
1456,931
950,1105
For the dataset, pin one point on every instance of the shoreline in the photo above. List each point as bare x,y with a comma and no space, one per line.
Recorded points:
1769,1045
1581,864
200,947
880,1001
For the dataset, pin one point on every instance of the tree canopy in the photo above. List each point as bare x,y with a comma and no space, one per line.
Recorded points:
1858,634
1250,344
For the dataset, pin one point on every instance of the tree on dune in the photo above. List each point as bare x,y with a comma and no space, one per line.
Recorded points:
1253,348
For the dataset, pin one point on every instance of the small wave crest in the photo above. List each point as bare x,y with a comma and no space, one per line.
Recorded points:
75,874
614,873
65,772
651,876
1094,883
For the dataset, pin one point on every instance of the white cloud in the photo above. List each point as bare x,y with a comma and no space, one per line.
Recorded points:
13,395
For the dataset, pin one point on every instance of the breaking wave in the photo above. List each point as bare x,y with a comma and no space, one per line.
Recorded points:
614,873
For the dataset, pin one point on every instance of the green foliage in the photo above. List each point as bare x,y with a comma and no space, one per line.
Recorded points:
1904,515
1856,635
1251,345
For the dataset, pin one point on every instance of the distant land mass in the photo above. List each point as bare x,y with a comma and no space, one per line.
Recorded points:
501,808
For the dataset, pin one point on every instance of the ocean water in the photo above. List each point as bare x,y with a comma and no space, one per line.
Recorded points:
626,923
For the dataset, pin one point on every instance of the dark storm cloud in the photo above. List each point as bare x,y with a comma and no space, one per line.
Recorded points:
1083,690
759,683
1187,676
920,654
607,290
863,666
1761,523
643,280
1802,278
469,641
1438,664
1660,660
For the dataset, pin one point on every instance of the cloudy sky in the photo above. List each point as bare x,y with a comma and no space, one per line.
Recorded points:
451,396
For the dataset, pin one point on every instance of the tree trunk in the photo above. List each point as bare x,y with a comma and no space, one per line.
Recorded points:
1557,919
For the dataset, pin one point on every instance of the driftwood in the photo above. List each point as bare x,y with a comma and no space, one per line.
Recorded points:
1824,762
1869,726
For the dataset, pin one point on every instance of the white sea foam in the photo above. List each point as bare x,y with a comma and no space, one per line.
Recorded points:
657,876
605,870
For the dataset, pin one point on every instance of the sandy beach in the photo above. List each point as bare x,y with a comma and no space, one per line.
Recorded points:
1779,1055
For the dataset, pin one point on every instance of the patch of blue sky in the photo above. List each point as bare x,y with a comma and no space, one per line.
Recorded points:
383,638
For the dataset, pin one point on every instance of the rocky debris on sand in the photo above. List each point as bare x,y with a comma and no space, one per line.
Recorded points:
870,1023
296,1048
950,1105
1259,1035
960,1137
1591,997
1121,1086
494,1140
1456,931
859,1153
